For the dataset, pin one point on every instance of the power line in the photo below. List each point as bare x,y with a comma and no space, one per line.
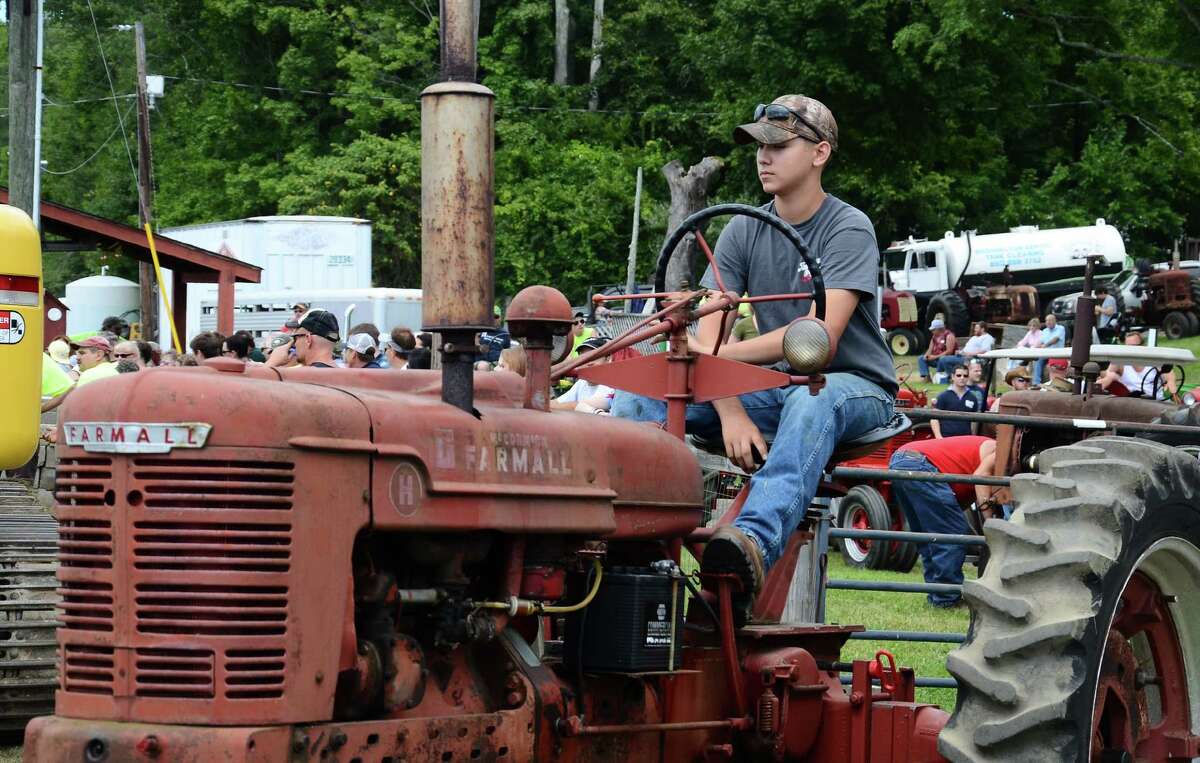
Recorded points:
113,91
96,153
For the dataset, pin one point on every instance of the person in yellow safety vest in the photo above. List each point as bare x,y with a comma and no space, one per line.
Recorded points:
580,333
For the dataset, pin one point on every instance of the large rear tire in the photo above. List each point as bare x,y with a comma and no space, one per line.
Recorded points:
863,508
1085,628
952,307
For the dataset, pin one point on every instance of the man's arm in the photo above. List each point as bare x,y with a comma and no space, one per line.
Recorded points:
740,434
987,460
768,348
936,427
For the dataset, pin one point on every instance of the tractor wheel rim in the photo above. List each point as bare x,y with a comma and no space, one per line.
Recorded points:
900,345
1146,699
857,547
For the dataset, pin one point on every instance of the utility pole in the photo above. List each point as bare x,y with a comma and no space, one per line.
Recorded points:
146,279
22,103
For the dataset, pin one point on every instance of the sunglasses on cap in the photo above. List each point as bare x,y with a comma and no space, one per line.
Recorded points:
779,111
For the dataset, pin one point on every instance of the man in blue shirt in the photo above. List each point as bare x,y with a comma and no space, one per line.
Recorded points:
961,396
1054,336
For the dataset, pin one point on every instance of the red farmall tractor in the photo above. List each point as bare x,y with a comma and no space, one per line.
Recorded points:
262,564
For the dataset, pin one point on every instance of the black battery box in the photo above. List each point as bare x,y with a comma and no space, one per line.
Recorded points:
634,625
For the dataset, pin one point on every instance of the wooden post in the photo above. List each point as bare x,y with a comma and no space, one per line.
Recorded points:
225,298
179,299
631,271
689,194
22,102
146,278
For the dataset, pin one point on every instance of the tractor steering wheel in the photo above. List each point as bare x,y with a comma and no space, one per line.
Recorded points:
693,223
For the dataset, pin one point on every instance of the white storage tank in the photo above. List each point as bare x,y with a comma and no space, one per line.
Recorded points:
95,298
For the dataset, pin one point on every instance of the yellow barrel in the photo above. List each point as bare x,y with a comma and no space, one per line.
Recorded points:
20,336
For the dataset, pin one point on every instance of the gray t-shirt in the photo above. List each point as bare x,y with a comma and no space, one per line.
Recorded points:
758,260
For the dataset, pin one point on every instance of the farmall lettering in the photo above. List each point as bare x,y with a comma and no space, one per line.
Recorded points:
501,453
123,437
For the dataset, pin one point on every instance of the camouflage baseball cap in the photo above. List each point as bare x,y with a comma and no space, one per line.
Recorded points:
800,116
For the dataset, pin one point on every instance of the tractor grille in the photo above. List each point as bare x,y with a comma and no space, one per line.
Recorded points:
211,547
86,606
181,673
209,610
254,673
83,482
88,669
203,484
207,556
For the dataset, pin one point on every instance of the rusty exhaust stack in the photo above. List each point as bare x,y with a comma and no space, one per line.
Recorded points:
457,181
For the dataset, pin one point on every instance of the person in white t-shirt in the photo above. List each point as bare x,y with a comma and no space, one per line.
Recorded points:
1144,381
583,396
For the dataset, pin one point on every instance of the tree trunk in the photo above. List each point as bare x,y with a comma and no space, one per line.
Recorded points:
562,34
597,44
689,194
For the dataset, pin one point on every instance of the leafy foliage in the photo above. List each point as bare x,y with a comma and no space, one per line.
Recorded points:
953,114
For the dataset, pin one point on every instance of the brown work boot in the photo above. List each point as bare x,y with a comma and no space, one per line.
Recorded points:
732,551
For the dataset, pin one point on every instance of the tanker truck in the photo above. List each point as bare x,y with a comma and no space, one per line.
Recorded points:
998,277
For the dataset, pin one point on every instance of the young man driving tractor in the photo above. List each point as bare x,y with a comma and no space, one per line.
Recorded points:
796,137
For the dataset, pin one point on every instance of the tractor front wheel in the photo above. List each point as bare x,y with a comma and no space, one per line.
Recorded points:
902,342
1084,642
863,508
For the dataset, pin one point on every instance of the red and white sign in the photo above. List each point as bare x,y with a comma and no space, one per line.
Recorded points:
125,437
12,327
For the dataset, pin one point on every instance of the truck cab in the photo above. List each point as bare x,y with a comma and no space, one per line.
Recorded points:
917,266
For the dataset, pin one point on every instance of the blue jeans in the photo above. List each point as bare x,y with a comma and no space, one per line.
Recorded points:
805,429
945,364
930,507
1039,368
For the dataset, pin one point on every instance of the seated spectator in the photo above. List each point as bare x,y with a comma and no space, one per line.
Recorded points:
94,361
360,352
583,396
960,396
206,345
937,507
237,346
1054,337
513,359
1139,381
980,342
942,342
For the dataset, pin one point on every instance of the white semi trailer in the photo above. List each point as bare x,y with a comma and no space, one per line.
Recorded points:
952,275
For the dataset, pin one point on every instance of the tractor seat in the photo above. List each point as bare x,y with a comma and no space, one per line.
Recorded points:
847,450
